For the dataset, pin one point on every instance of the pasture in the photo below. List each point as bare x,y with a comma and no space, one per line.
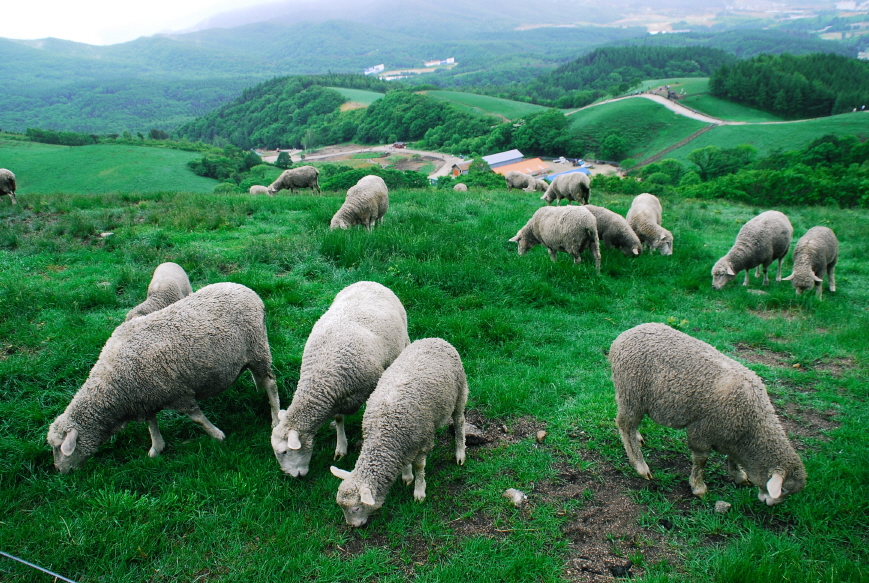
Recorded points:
359,96
533,336
506,108
100,168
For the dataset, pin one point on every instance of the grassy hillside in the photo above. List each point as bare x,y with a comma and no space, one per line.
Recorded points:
484,104
698,98
533,336
647,126
785,136
359,96
100,169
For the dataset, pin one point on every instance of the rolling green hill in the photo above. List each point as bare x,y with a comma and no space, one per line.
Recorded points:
505,108
698,98
98,169
360,96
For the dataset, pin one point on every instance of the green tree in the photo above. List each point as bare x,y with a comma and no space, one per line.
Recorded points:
284,160
614,147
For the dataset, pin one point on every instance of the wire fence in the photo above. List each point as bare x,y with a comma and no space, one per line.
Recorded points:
37,567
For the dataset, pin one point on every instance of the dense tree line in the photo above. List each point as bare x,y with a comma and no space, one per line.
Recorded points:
795,87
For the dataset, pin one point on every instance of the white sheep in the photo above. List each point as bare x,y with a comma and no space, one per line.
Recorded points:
421,391
461,187
301,177
760,241
816,254
644,217
350,346
526,182
7,184
682,382
169,359
168,285
257,189
571,229
366,203
614,231
573,186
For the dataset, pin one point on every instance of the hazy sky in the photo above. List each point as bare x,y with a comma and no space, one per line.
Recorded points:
104,22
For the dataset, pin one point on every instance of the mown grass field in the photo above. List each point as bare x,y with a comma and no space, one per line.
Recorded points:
768,137
359,96
533,336
484,104
647,126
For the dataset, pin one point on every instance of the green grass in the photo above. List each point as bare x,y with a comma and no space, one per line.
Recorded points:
492,105
362,96
698,98
533,337
100,169
785,136
647,126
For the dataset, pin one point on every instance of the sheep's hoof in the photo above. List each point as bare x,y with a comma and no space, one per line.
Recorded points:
460,459
153,452
419,496
699,490
407,481
339,455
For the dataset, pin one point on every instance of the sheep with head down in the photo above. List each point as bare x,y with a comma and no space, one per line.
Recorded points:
301,177
571,228
614,231
7,185
760,241
644,217
168,285
815,255
366,204
571,186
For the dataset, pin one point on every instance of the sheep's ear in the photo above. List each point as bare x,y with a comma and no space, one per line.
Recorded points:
68,445
663,237
729,271
282,414
636,251
293,440
515,239
817,279
788,278
339,473
366,496
774,485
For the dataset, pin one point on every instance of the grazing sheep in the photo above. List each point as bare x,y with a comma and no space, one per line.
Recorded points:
301,177
257,189
644,217
170,359
358,337
614,231
461,187
681,382
526,182
574,186
816,253
366,203
168,285
421,391
569,229
7,184
760,241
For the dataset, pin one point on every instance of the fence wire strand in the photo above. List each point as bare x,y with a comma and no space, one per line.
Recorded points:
37,567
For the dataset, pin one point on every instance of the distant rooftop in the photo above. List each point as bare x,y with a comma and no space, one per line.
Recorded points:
534,167
502,157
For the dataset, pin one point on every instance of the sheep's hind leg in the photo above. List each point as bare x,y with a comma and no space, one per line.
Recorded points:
267,382
157,443
745,283
699,454
407,474
198,417
831,277
419,486
766,273
553,254
778,273
341,445
631,440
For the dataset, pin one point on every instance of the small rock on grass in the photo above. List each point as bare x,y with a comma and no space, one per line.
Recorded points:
722,507
474,435
541,435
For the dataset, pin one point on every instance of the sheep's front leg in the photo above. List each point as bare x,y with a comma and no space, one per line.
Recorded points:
736,473
268,384
341,445
553,254
198,417
698,487
419,487
778,273
631,440
745,283
407,474
766,273
831,278
157,443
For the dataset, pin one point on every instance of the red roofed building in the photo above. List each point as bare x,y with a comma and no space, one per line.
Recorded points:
534,167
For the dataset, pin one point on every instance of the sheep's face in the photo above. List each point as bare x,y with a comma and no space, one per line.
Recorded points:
525,240
665,244
68,454
293,450
804,281
356,500
780,485
722,274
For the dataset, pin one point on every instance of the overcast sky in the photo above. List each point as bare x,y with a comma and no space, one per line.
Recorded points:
103,22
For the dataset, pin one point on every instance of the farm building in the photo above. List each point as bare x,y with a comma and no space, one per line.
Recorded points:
461,168
534,167
503,158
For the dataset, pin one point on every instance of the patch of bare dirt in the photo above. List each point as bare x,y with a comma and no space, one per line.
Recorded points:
835,366
415,163
765,314
763,356
801,423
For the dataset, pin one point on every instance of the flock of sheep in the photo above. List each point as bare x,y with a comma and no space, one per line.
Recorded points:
167,355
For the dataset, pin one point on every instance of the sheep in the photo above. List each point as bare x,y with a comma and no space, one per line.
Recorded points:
168,285
682,382
816,253
569,229
614,231
760,241
418,393
358,337
257,189
7,185
526,182
644,217
366,203
461,187
169,359
301,177
572,186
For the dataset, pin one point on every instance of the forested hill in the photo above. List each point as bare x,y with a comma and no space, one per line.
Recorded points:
795,87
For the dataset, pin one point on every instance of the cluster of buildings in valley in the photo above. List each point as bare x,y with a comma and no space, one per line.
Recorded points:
504,162
429,66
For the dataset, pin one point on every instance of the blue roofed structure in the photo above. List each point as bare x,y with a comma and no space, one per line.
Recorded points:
583,170
503,158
